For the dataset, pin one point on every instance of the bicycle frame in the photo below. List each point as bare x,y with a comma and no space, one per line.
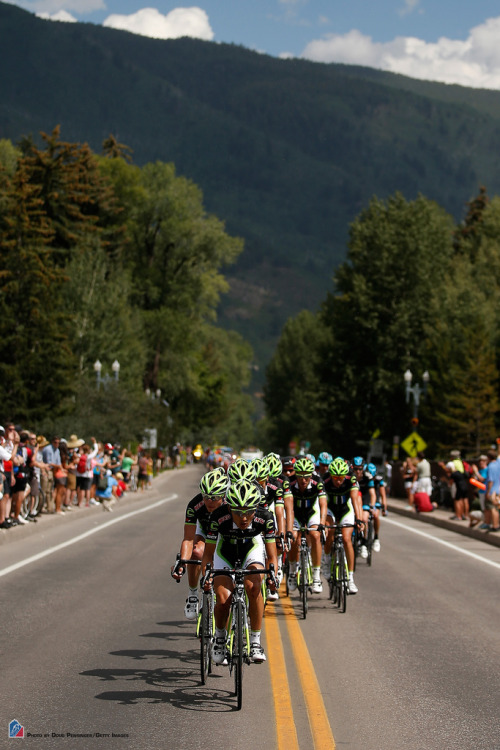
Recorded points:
339,572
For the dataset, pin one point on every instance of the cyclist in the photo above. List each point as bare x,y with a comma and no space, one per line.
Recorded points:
288,466
377,499
344,507
213,487
242,532
324,461
306,505
272,499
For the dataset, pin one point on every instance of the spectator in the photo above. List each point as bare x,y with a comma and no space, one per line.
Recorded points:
492,497
143,471
480,472
459,485
84,473
409,477
424,481
52,457
108,495
74,443
9,440
126,465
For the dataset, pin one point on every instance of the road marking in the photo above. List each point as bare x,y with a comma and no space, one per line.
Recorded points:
318,718
86,534
286,732
445,544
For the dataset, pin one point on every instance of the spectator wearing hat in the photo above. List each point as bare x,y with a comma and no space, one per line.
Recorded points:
73,444
459,485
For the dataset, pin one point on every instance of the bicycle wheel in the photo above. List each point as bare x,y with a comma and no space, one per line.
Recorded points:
337,576
343,576
206,639
370,535
304,577
39,503
286,573
238,656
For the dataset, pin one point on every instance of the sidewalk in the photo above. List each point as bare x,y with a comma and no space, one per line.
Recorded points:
442,518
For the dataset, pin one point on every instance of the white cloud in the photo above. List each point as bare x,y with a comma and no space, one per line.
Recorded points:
61,15
150,22
474,62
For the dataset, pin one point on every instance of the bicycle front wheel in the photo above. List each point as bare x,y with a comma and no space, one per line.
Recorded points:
304,582
369,540
205,639
238,656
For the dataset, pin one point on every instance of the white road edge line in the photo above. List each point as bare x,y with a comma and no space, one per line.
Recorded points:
79,538
441,541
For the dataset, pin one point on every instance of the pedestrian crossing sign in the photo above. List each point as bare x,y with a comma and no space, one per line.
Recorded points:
413,444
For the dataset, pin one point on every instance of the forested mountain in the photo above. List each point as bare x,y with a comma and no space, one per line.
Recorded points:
287,152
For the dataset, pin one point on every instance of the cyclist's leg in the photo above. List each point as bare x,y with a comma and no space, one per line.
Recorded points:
314,542
223,588
347,517
253,587
327,559
293,554
376,527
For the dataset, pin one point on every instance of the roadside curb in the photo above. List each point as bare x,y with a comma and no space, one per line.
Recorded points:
435,520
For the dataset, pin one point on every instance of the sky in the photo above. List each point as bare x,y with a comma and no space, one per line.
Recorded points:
451,41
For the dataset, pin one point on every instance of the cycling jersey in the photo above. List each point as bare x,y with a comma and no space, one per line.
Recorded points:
342,494
306,504
235,544
197,514
272,494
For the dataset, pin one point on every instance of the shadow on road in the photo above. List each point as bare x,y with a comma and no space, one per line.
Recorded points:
176,684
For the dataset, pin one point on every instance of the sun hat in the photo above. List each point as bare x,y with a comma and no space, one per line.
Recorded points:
74,442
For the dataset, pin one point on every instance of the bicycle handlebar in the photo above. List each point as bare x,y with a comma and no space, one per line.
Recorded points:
179,563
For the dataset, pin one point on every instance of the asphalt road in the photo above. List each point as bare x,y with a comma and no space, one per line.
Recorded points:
94,642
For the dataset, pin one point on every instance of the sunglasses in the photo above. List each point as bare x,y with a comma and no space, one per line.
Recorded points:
243,513
214,498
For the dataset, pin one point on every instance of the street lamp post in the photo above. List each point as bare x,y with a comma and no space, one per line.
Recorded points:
415,390
106,378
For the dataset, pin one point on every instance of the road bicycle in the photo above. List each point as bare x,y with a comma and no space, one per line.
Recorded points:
238,633
369,537
32,504
339,572
205,625
305,571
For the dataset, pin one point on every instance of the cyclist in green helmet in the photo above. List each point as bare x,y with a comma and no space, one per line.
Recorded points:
272,499
344,507
240,469
240,531
213,488
305,505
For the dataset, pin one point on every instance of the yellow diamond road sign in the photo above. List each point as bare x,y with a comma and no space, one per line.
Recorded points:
413,444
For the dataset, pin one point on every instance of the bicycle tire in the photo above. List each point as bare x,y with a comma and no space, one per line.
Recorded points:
343,581
238,657
205,640
337,575
304,575
370,535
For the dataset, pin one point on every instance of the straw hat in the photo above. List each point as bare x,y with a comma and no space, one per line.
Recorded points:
42,441
74,442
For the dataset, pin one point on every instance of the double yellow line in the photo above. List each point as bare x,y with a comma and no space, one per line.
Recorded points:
286,730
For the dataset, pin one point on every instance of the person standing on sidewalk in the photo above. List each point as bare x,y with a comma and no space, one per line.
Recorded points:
492,499
424,481
460,485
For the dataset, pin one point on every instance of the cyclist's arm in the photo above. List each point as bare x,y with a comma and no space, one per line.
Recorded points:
290,515
383,497
208,554
323,507
357,503
187,542
271,554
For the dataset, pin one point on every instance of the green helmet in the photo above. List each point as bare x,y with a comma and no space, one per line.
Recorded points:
214,482
304,466
274,465
241,469
243,495
338,468
260,468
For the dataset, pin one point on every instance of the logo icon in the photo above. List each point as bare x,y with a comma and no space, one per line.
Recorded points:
16,729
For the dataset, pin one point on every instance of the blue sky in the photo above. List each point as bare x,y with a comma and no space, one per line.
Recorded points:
442,40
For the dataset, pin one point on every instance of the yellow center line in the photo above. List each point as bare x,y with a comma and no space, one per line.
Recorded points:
318,718
286,732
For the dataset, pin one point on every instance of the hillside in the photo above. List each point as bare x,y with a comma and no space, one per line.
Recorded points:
287,152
